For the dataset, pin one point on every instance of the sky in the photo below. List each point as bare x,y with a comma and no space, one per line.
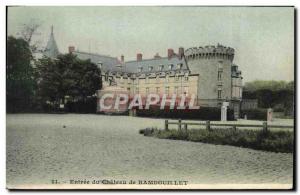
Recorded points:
263,37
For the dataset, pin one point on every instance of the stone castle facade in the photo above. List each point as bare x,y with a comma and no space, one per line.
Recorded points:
207,72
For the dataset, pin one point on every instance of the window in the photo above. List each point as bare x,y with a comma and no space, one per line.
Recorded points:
147,80
157,90
176,90
171,66
136,90
167,78
186,90
219,93
147,90
150,68
176,78
219,75
167,89
157,79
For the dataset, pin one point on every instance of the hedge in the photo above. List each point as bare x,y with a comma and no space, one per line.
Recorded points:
274,141
255,114
87,106
204,113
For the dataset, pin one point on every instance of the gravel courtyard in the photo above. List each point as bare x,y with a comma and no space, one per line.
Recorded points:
43,147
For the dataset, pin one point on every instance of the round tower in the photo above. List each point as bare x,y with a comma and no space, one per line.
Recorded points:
213,64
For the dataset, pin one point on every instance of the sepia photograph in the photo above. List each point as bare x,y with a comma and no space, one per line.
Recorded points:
150,97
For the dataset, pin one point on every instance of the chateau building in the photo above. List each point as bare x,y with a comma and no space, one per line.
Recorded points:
207,72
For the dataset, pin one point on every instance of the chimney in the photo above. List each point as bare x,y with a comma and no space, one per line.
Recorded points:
122,58
139,57
71,49
157,56
180,52
170,53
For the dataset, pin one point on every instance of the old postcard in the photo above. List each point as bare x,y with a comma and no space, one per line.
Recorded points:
155,97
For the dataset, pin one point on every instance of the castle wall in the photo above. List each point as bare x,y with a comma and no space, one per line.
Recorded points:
183,84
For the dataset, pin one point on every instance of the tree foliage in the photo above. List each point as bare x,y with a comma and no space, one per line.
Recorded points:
268,85
19,75
67,76
271,94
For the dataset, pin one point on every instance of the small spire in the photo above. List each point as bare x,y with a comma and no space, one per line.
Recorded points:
52,29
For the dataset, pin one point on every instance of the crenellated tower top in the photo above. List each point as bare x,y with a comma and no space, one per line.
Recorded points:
210,52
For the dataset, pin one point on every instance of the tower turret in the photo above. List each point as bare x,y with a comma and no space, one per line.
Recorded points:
213,64
51,49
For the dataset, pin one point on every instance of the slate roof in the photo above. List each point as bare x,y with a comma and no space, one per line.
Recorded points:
108,63
51,49
112,64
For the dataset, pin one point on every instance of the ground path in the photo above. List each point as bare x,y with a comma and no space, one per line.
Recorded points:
40,149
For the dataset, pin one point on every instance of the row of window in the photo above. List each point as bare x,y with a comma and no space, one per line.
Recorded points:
160,67
157,90
157,79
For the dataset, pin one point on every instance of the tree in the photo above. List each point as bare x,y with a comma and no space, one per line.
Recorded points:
66,76
19,75
28,31
275,94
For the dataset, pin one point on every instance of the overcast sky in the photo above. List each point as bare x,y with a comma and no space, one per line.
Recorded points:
263,38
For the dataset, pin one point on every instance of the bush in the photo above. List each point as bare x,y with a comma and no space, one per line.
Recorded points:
275,141
204,113
83,106
255,114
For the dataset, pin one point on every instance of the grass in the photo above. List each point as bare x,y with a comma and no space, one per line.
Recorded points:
274,141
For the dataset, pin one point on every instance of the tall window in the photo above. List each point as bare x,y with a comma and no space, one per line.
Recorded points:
157,79
147,80
176,90
157,90
219,75
219,93
167,90
147,90
140,69
167,78
186,90
136,90
171,66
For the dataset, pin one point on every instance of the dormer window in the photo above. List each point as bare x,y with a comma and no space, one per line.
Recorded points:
161,67
179,66
150,68
140,69
171,66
